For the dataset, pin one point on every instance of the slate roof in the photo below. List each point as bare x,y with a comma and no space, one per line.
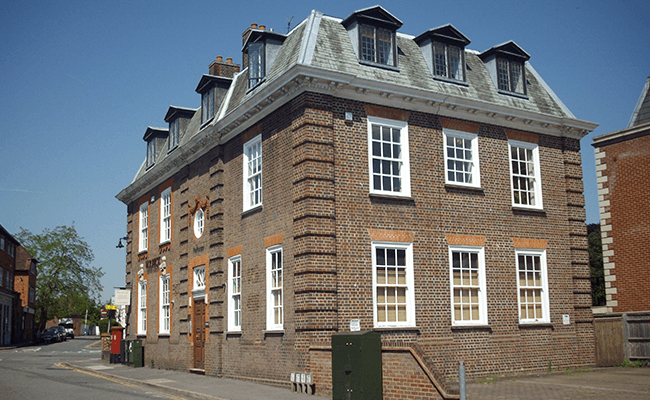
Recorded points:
322,44
641,114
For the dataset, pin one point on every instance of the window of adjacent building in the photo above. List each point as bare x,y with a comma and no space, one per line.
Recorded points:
207,105
10,280
164,304
199,222
2,277
253,173
256,63
448,61
377,45
234,294
33,267
2,243
151,152
142,307
274,282
468,298
388,157
394,300
511,76
461,158
31,295
144,227
173,134
166,216
525,174
532,286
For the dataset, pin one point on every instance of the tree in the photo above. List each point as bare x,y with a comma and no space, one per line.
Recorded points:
66,281
596,265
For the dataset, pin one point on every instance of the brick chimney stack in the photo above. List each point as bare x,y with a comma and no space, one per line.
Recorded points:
222,68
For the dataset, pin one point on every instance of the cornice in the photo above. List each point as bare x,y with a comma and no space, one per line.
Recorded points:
303,78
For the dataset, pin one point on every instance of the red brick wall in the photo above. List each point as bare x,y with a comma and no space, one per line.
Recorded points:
628,172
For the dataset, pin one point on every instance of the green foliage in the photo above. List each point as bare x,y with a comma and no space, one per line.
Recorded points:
103,325
634,364
596,265
66,282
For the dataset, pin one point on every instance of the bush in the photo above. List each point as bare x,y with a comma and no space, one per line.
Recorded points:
103,325
634,364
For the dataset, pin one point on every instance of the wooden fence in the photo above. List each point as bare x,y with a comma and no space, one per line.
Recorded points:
622,336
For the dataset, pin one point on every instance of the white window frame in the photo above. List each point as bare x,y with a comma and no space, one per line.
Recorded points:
199,223
379,49
166,215
480,285
445,53
142,307
537,184
405,172
506,73
164,311
474,161
408,285
543,302
274,289
144,227
234,293
253,177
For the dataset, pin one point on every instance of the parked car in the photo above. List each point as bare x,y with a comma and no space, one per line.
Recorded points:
62,333
50,335
66,323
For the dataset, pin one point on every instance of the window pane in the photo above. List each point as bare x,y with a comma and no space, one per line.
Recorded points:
385,47
455,63
439,60
367,43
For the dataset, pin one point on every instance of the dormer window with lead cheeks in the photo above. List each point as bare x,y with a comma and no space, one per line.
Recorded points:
506,64
261,47
373,32
207,105
444,51
155,138
178,119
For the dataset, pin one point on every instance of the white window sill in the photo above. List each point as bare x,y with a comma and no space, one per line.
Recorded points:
470,326
524,208
274,332
164,334
395,328
251,210
166,242
453,185
391,196
535,324
233,333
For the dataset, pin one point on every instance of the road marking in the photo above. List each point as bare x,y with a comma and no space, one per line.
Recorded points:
97,375
161,380
98,367
29,350
92,344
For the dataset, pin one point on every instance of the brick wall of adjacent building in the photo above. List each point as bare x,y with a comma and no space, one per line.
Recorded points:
316,199
623,169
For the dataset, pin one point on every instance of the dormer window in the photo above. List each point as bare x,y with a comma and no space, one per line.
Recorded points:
151,152
256,69
511,76
261,47
506,65
173,134
207,105
377,45
444,51
373,32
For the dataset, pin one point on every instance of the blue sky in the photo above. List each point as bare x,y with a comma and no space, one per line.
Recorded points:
80,81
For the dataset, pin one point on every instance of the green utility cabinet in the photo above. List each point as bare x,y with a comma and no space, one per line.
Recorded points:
356,366
137,354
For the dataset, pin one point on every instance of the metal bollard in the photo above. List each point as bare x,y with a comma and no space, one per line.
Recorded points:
461,380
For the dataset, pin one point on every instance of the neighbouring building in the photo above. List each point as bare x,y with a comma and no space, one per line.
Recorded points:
8,298
25,287
623,169
350,176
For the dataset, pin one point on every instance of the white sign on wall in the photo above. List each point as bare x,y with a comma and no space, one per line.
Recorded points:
122,297
355,325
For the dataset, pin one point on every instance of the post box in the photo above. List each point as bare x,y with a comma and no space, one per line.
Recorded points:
116,338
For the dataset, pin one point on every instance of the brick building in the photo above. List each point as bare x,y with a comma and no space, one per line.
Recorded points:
623,169
8,298
25,287
354,176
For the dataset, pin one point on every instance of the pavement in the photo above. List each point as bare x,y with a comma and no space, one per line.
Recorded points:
615,383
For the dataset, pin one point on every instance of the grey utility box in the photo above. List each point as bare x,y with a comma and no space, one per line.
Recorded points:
356,366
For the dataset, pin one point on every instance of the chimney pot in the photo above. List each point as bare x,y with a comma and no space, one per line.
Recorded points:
219,58
262,27
254,26
229,60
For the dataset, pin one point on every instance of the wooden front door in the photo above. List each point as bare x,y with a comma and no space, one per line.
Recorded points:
198,329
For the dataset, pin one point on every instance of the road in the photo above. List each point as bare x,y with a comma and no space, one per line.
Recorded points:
37,372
